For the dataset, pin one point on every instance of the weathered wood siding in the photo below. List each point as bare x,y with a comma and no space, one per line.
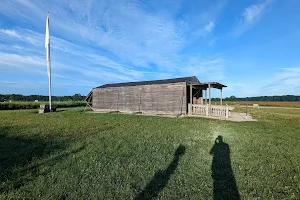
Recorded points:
157,98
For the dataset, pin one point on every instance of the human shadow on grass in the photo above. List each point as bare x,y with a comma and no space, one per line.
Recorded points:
18,152
161,177
224,183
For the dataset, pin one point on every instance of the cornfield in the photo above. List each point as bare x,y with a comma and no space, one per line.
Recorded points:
261,103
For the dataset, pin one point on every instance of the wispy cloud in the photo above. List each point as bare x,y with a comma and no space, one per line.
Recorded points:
23,84
105,41
206,70
12,33
242,89
67,57
286,81
209,27
201,20
19,62
251,15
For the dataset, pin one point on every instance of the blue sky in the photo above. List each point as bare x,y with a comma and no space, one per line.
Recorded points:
252,46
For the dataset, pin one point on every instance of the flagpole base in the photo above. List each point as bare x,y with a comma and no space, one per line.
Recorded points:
45,108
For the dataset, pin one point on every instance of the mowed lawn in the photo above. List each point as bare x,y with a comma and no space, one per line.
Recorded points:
73,154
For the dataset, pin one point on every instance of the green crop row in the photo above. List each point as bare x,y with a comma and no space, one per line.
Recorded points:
36,105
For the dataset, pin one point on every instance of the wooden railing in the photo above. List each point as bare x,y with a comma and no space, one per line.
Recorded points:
213,110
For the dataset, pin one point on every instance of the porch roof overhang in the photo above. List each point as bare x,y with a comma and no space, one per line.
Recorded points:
206,85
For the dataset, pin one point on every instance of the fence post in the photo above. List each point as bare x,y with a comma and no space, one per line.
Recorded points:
227,111
189,109
206,110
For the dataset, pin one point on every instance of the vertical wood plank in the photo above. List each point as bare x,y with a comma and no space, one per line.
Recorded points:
165,98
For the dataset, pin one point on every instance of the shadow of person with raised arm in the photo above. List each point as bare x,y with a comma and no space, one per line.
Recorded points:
161,177
224,182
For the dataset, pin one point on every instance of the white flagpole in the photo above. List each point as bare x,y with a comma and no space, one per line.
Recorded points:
47,46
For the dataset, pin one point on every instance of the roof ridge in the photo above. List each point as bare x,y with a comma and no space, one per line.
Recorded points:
188,79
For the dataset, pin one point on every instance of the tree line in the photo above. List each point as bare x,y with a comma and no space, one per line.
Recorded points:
31,98
79,97
262,98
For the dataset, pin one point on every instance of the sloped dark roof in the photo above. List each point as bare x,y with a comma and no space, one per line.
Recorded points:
188,80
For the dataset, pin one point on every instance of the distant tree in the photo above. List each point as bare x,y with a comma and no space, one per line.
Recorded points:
12,97
78,97
232,98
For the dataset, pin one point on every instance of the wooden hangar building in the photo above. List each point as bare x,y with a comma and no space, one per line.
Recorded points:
169,96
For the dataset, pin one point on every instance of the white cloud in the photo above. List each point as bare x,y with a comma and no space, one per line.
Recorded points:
124,28
252,15
39,84
11,33
20,61
105,41
209,27
63,51
206,70
201,20
23,84
285,81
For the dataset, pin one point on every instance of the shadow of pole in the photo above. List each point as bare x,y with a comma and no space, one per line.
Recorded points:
224,183
161,177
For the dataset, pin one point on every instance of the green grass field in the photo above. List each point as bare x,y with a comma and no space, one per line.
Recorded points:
73,154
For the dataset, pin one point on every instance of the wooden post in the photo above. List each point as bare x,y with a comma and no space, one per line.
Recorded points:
189,109
247,108
227,111
201,97
209,95
221,100
206,96
209,98
206,110
191,94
